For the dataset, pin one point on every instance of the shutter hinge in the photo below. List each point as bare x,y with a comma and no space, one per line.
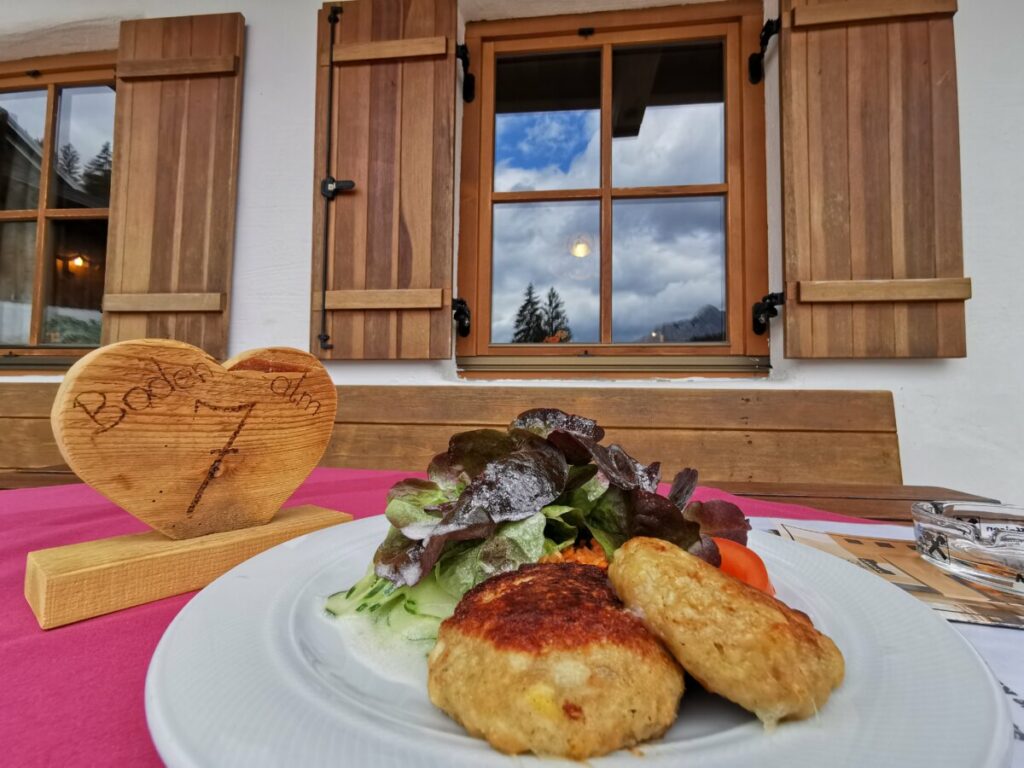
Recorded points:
766,309
331,186
755,64
460,311
468,78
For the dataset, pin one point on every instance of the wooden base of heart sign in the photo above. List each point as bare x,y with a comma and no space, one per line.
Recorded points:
80,581
191,447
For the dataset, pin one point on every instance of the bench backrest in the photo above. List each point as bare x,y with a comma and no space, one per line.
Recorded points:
739,435
729,435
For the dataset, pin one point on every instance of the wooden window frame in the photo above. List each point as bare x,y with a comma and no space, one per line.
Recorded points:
738,24
50,74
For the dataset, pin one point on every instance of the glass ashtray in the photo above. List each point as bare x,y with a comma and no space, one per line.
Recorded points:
983,543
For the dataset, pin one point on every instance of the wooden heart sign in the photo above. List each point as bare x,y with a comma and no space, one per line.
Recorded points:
190,446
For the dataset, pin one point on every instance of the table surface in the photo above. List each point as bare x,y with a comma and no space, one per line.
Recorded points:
73,696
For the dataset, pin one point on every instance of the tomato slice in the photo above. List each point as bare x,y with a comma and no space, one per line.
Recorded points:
742,563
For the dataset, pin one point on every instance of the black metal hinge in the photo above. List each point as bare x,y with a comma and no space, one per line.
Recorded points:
468,78
765,310
330,187
755,64
460,311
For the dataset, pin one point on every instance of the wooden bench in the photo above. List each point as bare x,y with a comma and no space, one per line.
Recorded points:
830,449
739,435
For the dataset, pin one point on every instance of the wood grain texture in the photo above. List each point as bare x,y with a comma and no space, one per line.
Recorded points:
685,13
164,302
29,478
393,134
864,492
41,280
398,298
186,66
408,48
174,182
57,64
79,581
871,183
738,435
186,445
772,435
28,443
867,10
631,408
732,455
922,289
891,503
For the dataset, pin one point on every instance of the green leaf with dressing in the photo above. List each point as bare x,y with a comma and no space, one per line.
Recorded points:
465,565
409,503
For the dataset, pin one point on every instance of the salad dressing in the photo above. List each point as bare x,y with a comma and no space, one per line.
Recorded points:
382,652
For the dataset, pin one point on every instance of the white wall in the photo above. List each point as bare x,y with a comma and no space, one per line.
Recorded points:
961,422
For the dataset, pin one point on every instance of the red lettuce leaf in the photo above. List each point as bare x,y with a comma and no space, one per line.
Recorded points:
544,421
399,560
683,487
513,487
467,455
706,549
656,516
621,469
718,517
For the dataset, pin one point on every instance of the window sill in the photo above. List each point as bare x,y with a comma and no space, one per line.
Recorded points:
23,361
620,367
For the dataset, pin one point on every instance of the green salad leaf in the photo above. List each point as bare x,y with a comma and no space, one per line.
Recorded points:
412,506
609,521
464,566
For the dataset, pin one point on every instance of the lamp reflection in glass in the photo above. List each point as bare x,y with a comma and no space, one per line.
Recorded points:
580,247
72,263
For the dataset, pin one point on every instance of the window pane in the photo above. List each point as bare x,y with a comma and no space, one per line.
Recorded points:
545,281
668,115
17,273
74,295
547,122
22,118
85,136
668,272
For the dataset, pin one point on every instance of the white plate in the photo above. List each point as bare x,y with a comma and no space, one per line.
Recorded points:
252,673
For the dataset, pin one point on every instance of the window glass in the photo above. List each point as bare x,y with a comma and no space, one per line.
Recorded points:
545,280
22,119
84,147
74,297
17,274
547,122
668,115
668,274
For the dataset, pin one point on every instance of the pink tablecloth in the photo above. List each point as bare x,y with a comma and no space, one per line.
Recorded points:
72,696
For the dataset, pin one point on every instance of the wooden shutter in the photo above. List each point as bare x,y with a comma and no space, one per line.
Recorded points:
172,203
389,259
871,180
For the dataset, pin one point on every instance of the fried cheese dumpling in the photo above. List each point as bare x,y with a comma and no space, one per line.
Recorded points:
546,660
733,639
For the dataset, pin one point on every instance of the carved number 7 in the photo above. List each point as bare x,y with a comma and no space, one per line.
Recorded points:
214,470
